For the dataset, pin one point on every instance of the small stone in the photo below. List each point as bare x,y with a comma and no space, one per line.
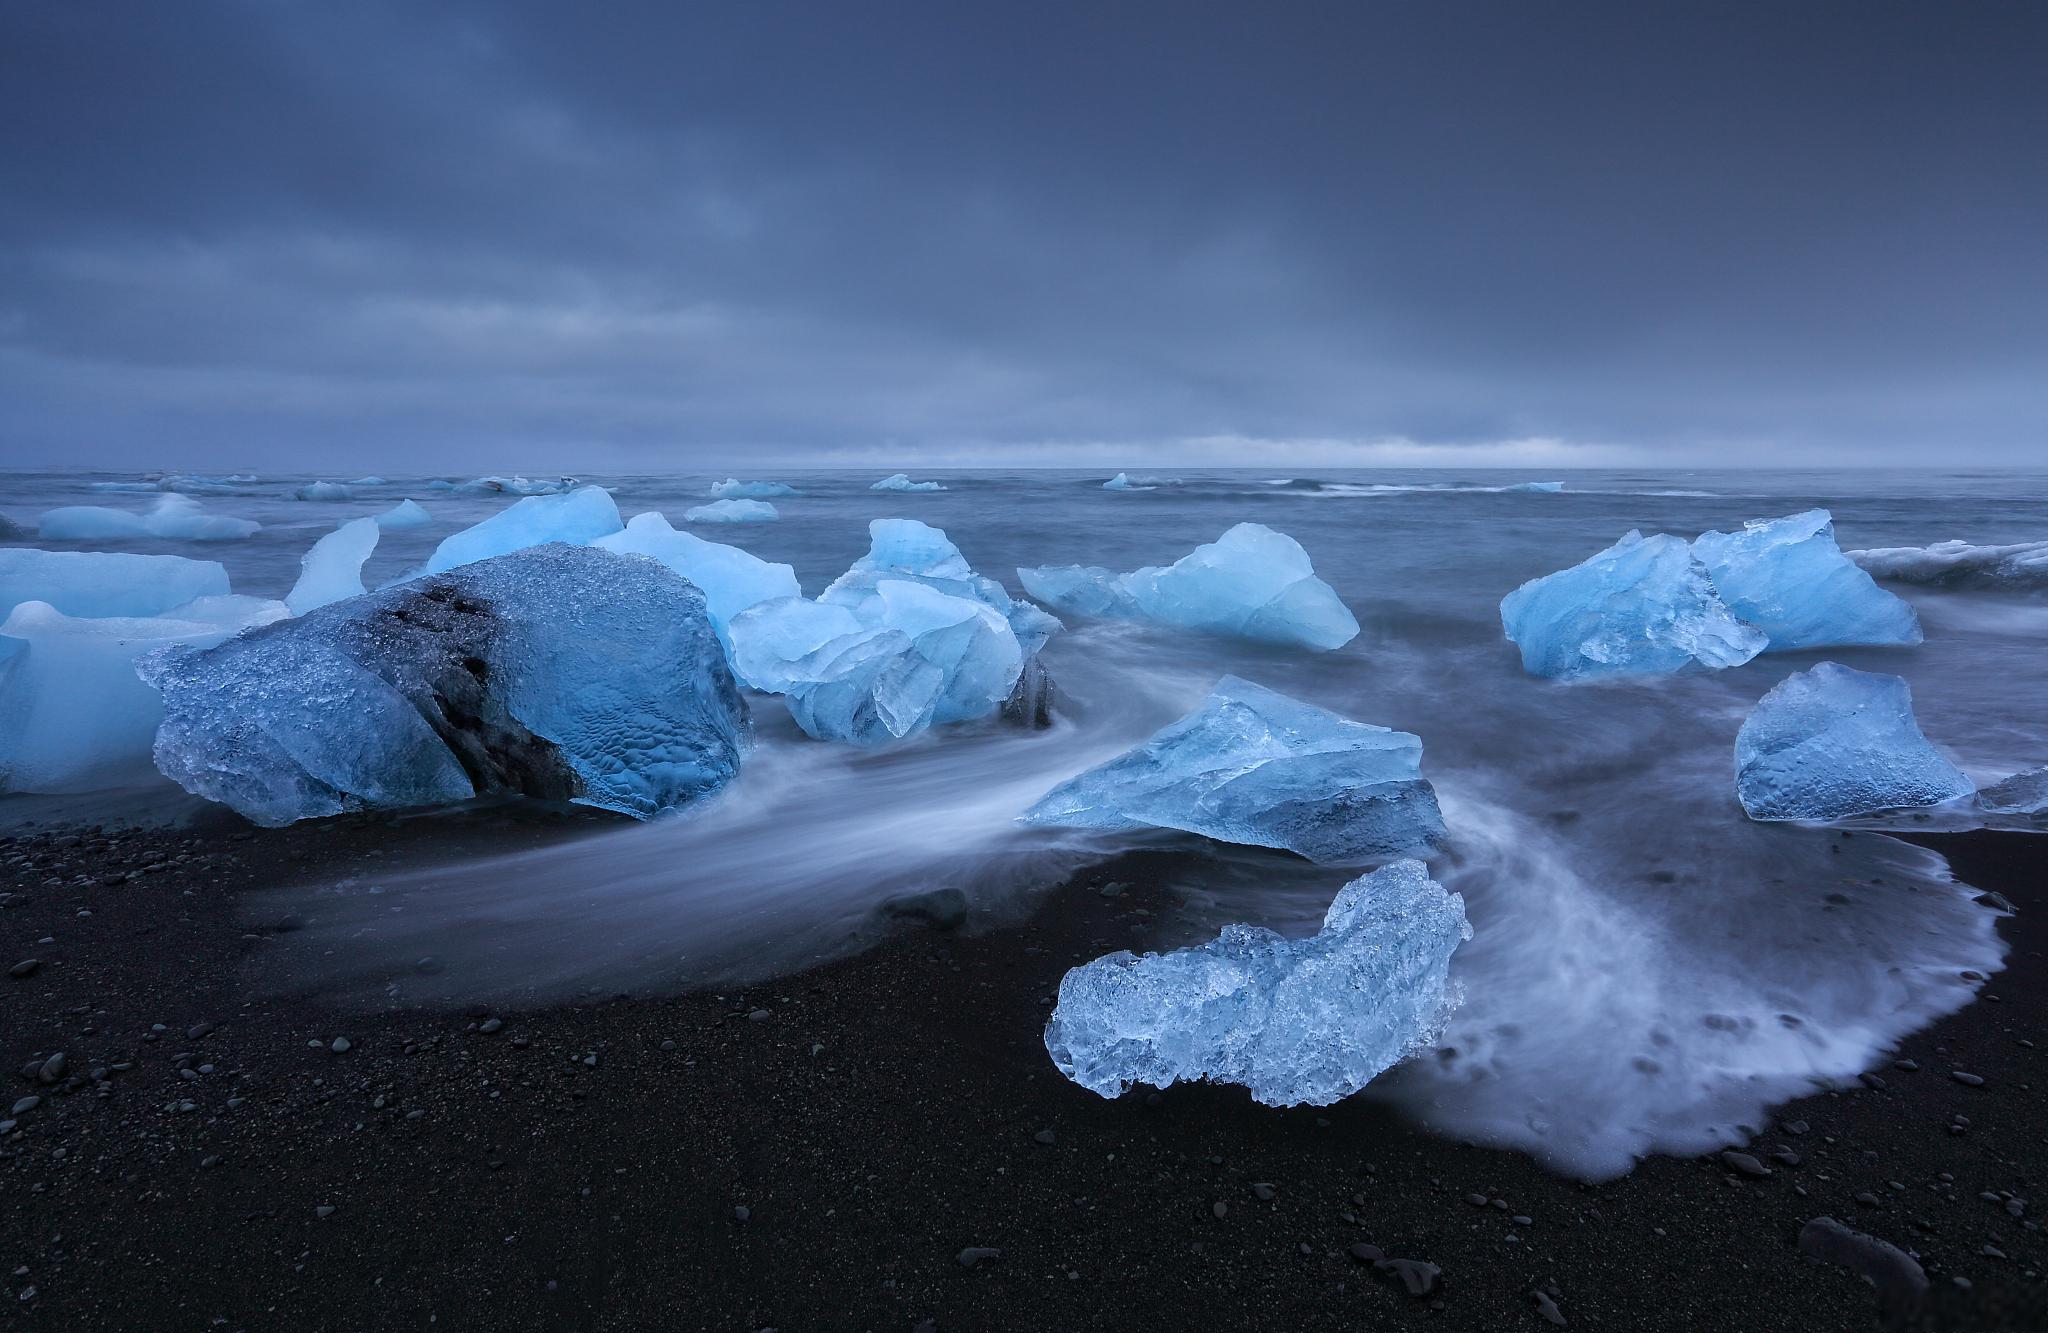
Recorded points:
1219,1208
760,1016
741,1213
1044,1136
341,1045
27,1104
1367,1254
976,1255
1264,1191
1967,1079
491,1025
324,1210
25,968
1547,1308
1417,1277
1743,1164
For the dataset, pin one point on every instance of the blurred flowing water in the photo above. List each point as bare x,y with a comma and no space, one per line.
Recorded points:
1650,970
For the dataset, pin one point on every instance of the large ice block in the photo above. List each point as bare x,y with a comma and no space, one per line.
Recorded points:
171,518
1642,606
560,672
333,568
1956,564
1295,1021
732,488
1253,766
731,579
1787,577
2024,793
903,548
1832,742
732,511
577,517
105,583
899,481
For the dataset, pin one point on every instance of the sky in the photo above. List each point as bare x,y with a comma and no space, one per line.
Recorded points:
502,234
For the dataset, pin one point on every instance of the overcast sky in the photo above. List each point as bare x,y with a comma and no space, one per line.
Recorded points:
619,236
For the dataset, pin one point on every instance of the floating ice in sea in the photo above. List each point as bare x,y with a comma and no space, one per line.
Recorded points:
106,583
732,488
1253,766
732,511
1123,482
1643,605
561,672
2021,565
369,481
441,484
1311,1020
1252,582
324,490
577,517
731,579
11,531
333,568
2024,793
901,482
125,487
1787,577
405,514
1832,742
510,486
1539,487
73,715
903,548
171,518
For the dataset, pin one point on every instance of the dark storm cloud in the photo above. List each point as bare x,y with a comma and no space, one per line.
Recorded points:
646,234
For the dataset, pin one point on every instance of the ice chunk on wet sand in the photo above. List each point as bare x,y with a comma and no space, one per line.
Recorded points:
1833,742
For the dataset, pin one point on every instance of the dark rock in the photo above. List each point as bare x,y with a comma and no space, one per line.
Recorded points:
1417,1277
941,909
1030,703
976,1255
1743,1164
1967,1079
25,968
1899,1279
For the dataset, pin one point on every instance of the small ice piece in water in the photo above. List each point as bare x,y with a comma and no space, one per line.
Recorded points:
1296,1021
1832,742
1787,577
732,511
405,514
171,518
2024,793
732,488
1122,482
333,568
1252,582
11,531
1642,606
1253,766
1957,564
901,482
106,583
368,481
559,672
324,490
513,486
1537,487
577,517
731,579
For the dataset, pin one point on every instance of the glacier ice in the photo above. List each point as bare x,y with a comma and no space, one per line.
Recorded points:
126,487
1832,742
1253,766
171,518
405,514
324,490
1787,577
1957,564
73,714
904,548
2024,793
1536,487
1642,605
106,583
901,482
1122,482
369,481
333,568
1295,1021
730,579
577,517
732,488
514,486
732,511
560,672
1252,582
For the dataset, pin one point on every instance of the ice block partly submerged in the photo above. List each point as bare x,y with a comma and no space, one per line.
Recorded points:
1834,742
2018,567
1787,577
1295,1021
1255,767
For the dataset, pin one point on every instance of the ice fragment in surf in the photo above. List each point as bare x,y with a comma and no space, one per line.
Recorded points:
106,583
1310,1020
732,488
1787,577
510,486
324,490
333,568
731,579
732,511
1642,606
11,531
2024,793
1124,482
405,514
560,672
171,518
1957,564
1255,767
1833,742
901,482
1252,582
1537,487
577,517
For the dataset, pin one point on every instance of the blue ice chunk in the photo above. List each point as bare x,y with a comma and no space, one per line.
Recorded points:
1253,766
324,490
171,518
405,514
2024,793
1787,577
333,568
1122,482
1832,742
1642,606
1252,582
1296,1021
369,481
731,579
732,488
105,583
1957,564
513,486
576,517
901,482
561,672
1537,487
732,511
903,548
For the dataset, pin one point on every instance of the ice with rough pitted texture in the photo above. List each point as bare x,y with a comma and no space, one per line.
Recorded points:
576,517
2024,793
732,511
899,481
1255,767
1295,1021
560,672
171,518
106,583
1642,606
732,488
1956,564
333,568
1787,577
731,579
1252,582
405,514
1833,742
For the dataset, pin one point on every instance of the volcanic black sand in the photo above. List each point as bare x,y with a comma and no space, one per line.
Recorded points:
880,1143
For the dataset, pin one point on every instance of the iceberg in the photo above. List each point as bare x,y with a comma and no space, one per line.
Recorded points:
73,715
559,672
405,514
1252,582
441,484
171,518
1955,564
1295,1021
324,490
1253,766
1787,577
901,482
512,486
732,511
732,488
1644,605
577,517
905,549
333,568
2024,793
106,583
186,483
730,579
1122,482
1832,742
